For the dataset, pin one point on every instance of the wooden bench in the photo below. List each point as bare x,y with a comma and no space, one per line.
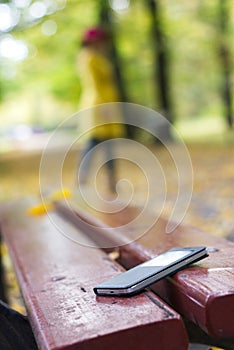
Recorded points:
203,294
56,276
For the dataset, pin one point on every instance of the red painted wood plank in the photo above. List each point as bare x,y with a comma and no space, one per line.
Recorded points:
203,293
57,277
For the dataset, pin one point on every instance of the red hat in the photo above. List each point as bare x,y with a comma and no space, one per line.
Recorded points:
94,34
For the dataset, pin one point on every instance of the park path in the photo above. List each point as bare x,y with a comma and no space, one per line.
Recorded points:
212,203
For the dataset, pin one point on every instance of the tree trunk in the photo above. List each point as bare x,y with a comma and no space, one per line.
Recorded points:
106,21
161,60
225,61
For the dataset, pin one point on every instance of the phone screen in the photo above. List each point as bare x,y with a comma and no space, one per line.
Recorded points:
167,258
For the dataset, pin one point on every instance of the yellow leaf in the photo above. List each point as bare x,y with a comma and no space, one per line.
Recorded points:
64,193
40,209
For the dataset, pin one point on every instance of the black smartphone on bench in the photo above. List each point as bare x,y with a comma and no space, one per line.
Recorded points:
136,279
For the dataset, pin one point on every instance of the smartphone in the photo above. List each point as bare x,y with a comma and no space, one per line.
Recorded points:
136,279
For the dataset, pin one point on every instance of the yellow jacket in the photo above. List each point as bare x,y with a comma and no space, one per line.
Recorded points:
99,89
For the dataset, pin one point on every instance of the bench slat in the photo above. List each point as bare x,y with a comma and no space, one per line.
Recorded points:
203,293
57,277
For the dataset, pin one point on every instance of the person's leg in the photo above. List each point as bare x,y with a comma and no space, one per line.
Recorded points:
86,159
111,165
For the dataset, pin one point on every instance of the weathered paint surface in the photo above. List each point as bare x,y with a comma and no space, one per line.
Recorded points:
204,293
57,277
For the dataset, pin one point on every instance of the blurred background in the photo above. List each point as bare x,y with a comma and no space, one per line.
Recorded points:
173,56
176,57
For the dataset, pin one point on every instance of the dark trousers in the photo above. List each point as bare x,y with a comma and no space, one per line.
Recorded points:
89,154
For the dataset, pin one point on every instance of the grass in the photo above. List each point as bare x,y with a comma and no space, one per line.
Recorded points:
209,129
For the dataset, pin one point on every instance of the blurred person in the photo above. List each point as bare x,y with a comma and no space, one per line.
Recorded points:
99,88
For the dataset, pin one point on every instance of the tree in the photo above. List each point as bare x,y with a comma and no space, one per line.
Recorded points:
105,19
161,70
225,60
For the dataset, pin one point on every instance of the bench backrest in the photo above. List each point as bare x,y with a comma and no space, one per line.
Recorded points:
203,293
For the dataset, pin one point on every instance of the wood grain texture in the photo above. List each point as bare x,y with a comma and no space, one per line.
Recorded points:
57,277
204,293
